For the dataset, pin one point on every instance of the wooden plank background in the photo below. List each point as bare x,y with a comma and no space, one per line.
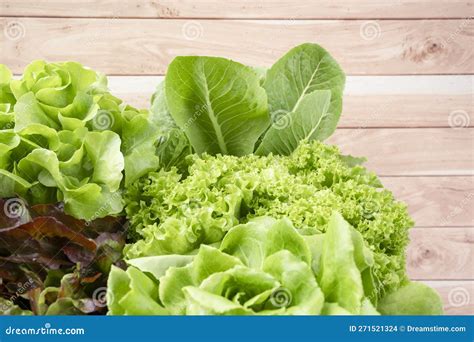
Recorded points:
384,47
266,9
408,102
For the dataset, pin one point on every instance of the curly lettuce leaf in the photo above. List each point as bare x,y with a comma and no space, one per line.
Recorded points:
172,213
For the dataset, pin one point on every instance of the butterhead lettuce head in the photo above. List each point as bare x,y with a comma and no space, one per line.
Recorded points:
64,137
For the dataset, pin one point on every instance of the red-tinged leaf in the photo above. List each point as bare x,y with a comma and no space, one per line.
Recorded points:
69,259
42,228
13,213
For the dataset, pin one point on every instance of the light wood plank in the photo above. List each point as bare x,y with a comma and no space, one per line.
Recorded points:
407,111
129,46
417,151
399,101
441,253
355,85
299,9
436,201
457,296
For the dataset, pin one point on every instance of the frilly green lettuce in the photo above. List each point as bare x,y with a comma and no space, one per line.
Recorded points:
173,213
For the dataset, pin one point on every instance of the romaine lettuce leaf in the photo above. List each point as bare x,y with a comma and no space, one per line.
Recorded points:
302,124
218,103
301,71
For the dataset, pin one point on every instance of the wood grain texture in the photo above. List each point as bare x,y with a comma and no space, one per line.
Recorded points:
398,101
457,296
399,151
296,9
407,111
130,46
436,201
441,253
405,121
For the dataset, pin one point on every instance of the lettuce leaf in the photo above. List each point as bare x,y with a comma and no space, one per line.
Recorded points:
218,103
225,107
411,299
301,71
339,275
131,292
173,213
302,124
64,137
53,263
173,145
263,267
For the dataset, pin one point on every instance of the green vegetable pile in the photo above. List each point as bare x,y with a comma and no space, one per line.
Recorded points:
64,137
173,214
234,204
